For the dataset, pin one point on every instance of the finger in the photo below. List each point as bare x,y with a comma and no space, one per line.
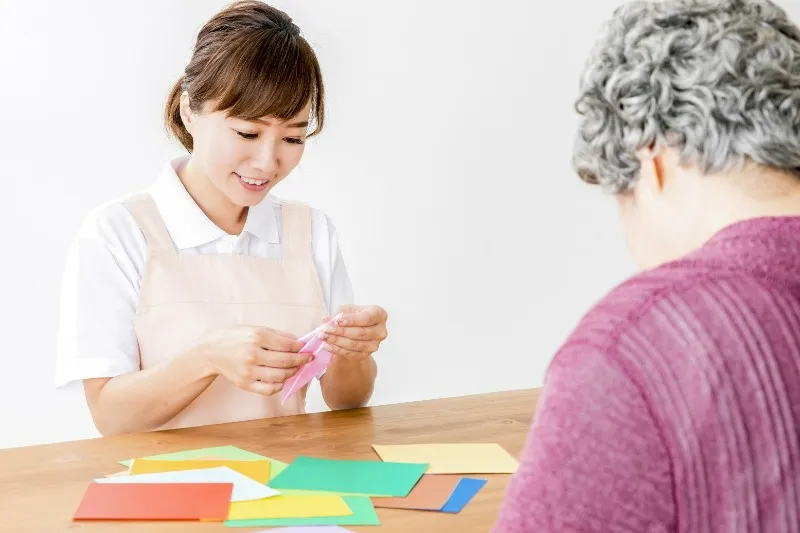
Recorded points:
357,332
273,375
367,316
349,354
277,359
348,309
273,340
285,334
259,387
352,345
345,312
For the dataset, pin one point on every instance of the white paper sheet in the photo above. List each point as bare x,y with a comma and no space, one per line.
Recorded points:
244,488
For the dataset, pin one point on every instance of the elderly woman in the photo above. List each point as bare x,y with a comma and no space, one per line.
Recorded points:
675,404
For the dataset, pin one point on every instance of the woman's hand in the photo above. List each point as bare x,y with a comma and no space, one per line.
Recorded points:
255,359
358,333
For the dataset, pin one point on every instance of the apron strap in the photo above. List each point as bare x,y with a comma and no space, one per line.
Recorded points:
146,214
296,231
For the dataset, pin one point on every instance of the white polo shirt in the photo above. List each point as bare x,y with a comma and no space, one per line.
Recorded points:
105,264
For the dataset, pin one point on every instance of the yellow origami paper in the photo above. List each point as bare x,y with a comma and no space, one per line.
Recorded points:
289,507
258,470
467,458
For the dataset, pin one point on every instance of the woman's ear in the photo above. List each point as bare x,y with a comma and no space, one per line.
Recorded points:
650,179
652,168
187,115
660,171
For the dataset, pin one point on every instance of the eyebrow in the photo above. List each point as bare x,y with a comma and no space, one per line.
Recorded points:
301,124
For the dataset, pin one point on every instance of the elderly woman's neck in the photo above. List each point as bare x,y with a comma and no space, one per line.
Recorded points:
722,200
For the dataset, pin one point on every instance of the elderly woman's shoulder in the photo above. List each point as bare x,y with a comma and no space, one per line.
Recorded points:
693,289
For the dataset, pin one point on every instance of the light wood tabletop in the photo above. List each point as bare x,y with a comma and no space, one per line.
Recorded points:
41,486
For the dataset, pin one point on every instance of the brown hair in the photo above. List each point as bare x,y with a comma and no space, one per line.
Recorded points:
251,61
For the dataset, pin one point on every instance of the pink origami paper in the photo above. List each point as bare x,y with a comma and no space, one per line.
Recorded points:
321,358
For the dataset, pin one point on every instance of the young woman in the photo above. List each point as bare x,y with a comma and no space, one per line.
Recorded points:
675,404
181,305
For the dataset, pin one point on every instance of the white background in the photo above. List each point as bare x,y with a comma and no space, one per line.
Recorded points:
444,165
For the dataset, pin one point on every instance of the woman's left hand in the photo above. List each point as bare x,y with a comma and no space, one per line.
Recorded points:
358,333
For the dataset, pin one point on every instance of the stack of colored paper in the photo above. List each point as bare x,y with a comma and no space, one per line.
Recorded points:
163,489
245,489
220,484
354,482
440,489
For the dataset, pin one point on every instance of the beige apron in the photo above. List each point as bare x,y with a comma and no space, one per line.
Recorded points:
182,296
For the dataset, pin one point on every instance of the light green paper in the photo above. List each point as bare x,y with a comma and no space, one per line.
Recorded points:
225,452
275,468
369,478
363,515
301,492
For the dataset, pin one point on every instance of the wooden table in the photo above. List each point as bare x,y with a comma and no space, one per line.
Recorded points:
41,486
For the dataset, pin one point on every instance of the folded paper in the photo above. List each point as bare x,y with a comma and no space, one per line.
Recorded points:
321,358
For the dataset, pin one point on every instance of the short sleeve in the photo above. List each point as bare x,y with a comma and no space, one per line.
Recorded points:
99,296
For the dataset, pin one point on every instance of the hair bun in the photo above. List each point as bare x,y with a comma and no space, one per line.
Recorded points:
291,28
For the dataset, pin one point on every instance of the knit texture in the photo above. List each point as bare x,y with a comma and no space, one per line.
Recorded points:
674,406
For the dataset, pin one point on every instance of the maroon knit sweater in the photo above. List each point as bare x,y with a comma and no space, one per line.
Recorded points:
675,404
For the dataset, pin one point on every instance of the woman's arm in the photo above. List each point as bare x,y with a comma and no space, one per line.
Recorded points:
147,399
349,384
255,359
350,378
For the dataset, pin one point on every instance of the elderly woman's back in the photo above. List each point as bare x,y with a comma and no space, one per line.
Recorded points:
675,404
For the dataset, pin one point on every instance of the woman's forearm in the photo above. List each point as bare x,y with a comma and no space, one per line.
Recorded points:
348,384
145,400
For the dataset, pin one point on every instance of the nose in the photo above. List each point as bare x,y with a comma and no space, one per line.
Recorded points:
265,160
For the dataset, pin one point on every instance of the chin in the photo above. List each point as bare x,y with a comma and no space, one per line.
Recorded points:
245,198
249,200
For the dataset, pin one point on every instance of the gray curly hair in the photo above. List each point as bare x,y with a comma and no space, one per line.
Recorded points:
717,79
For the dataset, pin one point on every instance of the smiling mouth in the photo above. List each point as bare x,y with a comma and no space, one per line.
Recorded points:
253,184
252,181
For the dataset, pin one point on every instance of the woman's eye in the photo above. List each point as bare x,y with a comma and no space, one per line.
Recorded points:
293,140
248,136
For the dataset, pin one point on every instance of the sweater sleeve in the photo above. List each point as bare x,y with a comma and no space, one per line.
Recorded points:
594,460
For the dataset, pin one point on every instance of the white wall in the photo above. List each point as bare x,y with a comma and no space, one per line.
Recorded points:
445,166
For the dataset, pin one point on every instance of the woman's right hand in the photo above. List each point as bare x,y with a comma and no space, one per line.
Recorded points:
255,359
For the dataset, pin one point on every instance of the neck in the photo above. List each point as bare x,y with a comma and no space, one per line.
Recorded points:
724,200
213,202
